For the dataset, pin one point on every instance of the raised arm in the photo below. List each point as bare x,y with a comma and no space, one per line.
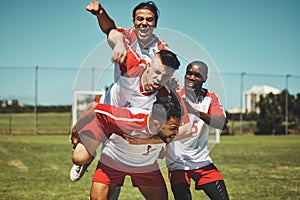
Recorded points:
105,22
116,42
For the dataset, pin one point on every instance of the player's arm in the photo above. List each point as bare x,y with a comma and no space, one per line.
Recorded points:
155,139
106,24
104,20
215,118
86,117
116,42
184,131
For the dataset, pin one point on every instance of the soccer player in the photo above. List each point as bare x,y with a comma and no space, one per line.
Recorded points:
140,37
139,86
100,121
145,17
119,159
140,82
189,158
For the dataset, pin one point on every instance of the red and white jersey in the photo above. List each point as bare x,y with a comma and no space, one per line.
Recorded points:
118,149
129,91
115,122
146,51
121,121
192,152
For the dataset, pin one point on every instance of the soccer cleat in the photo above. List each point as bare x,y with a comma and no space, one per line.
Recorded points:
77,171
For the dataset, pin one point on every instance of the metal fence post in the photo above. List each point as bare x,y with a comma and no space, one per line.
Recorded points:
35,99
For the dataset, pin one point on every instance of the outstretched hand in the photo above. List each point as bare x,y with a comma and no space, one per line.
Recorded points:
94,7
189,108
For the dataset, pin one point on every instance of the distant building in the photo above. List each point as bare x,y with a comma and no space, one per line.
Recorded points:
10,102
235,110
251,97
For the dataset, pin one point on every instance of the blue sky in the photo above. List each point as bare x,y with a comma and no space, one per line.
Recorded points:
256,37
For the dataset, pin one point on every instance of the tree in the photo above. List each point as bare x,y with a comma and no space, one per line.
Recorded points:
272,107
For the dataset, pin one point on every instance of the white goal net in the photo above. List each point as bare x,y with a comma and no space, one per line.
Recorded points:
81,100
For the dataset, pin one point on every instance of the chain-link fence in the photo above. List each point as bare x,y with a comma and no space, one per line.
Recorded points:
38,99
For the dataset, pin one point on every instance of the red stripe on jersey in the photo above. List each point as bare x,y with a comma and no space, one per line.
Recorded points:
161,45
120,120
98,99
131,38
134,66
215,107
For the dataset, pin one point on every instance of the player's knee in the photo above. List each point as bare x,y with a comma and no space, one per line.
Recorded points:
99,191
80,155
181,191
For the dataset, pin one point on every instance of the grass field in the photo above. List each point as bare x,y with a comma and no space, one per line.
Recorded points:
254,167
60,123
23,123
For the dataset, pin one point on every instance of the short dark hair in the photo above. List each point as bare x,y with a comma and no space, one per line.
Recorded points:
165,107
169,58
149,5
199,63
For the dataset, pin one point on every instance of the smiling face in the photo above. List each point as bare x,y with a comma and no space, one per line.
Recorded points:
195,76
157,74
170,129
144,23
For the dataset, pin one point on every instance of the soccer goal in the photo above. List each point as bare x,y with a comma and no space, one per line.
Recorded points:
81,100
213,137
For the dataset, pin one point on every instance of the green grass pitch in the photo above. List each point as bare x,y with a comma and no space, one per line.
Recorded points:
254,167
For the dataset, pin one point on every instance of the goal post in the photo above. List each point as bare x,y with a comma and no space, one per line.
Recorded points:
81,100
213,137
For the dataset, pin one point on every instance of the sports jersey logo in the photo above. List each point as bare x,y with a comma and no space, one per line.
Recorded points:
147,151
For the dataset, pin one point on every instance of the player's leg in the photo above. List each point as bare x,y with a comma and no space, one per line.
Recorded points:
181,191
99,191
80,155
86,137
211,181
105,181
151,184
216,190
115,194
153,193
180,185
